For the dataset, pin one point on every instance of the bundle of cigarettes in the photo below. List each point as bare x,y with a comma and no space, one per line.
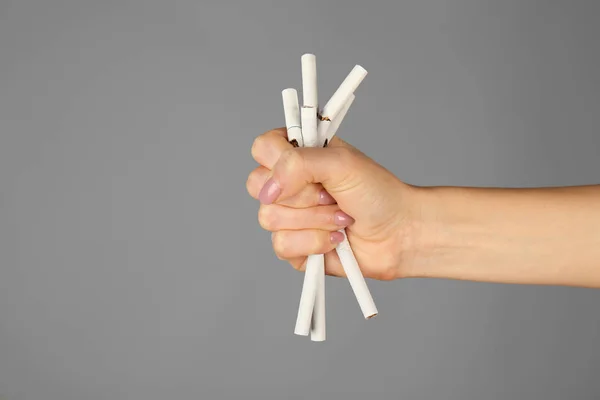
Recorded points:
311,126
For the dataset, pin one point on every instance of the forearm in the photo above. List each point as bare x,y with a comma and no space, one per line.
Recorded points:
530,236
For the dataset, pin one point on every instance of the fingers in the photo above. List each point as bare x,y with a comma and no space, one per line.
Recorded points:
310,196
292,244
276,217
333,266
336,168
268,147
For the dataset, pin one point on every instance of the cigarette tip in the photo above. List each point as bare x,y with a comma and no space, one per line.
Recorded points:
371,316
360,68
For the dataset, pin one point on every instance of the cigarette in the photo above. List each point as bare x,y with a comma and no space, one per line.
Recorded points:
314,266
356,278
311,310
344,250
308,116
343,92
308,127
327,129
337,121
309,80
315,263
317,329
291,112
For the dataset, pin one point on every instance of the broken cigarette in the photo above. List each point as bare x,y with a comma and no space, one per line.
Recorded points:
307,127
356,278
309,80
344,250
343,92
335,124
315,264
291,111
310,98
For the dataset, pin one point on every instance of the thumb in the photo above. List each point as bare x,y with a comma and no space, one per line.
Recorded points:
338,168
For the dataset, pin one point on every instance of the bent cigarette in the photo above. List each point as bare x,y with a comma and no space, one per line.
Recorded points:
291,111
343,92
356,278
318,325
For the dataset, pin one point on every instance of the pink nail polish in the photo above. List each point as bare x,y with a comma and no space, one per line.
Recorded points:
342,219
325,198
336,237
269,192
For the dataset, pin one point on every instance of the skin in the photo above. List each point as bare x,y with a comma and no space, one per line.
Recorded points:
547,236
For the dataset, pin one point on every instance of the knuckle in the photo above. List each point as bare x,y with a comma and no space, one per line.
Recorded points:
388,270
250,183
266,217
387,274
298,265
320,243
258,146
279,246
291,159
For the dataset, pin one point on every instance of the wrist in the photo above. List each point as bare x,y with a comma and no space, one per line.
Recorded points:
437,234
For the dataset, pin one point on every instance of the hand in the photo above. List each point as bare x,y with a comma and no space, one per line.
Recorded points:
308,194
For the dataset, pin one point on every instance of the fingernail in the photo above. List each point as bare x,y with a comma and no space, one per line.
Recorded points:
269,192
342,219
325,198
336,237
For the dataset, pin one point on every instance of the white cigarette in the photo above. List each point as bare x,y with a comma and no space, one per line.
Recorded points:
291,110
323,128
344,251
346,88
314,264
337,121
309,80
318,325
356,278
327,129
308,116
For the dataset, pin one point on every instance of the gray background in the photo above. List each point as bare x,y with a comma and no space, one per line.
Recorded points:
132,265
